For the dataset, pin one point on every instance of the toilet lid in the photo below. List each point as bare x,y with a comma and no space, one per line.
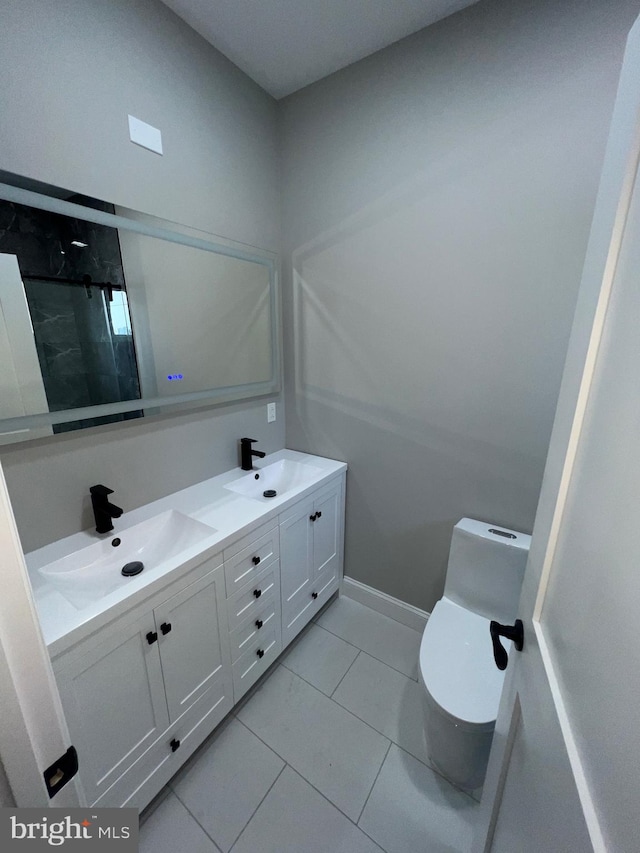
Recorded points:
457,665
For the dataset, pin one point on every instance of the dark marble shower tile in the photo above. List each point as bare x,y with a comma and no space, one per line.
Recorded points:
129,388
62,360
66,392
103,388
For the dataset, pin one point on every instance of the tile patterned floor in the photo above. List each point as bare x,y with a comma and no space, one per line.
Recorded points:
326,756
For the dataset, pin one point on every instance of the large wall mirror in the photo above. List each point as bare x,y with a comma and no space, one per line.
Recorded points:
106,313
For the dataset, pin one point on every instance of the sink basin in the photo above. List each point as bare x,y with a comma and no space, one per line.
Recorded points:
95,571
281,477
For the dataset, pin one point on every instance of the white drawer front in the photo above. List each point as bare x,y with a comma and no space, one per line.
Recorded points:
240,568
261,621
256,660
246,602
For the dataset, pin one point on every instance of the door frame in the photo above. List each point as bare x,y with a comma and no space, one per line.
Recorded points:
33,731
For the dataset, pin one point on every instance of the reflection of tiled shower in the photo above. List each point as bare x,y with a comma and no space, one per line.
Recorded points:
74,283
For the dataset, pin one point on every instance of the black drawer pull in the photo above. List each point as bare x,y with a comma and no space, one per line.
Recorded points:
260,653
258,624
165,627
313,517
314,595
257,593
318,514
175,743
255,560
152,636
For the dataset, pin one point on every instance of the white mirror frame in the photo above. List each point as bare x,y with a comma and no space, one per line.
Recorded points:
181,402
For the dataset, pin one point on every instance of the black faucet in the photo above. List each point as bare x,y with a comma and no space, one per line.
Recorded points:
247,453
103,509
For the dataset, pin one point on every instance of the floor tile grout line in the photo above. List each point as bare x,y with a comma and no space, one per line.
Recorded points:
324,695
315,687
369,653
188,810
344,676
299,772
386,619
333,805
253,814
403,748
333,634
263,742
374,784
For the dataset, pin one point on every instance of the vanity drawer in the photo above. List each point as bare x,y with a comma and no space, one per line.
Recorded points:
251,559
256,660
246,602
267,614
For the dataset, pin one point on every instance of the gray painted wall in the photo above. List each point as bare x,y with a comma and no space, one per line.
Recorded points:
73,70
6,796
437,199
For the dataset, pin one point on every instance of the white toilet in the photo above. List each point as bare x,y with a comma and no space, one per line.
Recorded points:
461,681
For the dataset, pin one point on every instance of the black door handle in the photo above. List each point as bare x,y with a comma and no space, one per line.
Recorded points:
165,627
152,636
258,624
513,632
257,593
255,560
174,744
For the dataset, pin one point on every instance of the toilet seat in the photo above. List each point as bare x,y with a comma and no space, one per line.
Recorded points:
457,667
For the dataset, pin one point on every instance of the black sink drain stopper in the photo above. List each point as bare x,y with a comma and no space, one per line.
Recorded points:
131,569
269,493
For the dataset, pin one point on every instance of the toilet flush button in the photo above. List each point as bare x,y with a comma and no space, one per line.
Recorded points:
504,533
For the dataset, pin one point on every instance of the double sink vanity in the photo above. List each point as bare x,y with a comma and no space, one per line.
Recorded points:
148,665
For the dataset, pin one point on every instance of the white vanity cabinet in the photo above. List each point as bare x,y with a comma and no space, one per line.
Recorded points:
141,693
311,545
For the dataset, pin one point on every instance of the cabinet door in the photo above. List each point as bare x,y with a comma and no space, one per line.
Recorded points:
326,530
194,643
296,549
113,698
296,554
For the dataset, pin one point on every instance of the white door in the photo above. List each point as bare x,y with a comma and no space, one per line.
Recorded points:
21,386
563,773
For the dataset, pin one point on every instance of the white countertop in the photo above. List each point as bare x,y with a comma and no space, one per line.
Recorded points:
230,516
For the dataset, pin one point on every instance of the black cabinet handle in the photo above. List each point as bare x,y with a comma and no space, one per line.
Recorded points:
175,743
258,624
255,560
260,653
314,595
511,632
257,593
313,517
318,514
152,636
165,627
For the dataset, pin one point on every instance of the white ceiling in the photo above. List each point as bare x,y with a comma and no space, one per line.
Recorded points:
287,44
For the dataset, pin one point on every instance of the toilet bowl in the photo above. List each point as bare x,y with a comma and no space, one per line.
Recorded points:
461,683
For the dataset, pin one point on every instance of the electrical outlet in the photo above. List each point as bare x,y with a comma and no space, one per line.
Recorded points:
271,412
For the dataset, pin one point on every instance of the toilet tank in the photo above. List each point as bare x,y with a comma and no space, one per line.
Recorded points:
486,567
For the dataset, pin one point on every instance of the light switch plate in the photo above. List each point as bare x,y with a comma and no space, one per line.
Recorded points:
271,412
145,135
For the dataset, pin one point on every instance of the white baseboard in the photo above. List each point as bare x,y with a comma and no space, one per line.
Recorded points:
407,614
